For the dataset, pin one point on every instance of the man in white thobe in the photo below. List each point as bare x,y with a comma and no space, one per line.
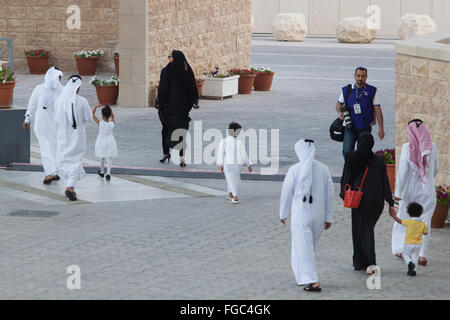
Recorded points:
71,115
414,185
41,108
308,190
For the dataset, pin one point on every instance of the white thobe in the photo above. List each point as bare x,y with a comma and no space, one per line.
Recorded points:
71,143
41,108
232,155
409,187
307,220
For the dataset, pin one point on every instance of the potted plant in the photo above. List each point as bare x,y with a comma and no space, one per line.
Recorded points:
389,158
107,90
263,80
7,83
442,204
37,61
246,79
87,61
199,83
218,85
116,62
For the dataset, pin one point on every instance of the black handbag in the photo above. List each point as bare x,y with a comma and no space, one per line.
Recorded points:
337,126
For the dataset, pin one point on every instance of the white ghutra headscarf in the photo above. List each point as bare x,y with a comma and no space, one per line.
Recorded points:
305,150
66,102
53,86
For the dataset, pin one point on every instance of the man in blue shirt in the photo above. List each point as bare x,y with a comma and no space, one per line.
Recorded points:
364,110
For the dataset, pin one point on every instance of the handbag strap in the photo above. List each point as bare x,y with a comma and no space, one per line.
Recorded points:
364,177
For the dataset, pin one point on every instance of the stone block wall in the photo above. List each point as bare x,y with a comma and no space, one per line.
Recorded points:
209,32
423,91
41,24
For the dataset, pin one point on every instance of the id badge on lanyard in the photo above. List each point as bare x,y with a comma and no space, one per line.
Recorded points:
357,106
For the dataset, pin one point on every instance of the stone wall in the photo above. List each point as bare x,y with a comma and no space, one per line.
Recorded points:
41,24
209,32
423,92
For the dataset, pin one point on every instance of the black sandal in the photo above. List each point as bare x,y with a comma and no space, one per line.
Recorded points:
71,195
311,288
56,178
47,181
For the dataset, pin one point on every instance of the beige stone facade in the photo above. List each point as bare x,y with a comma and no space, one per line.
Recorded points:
41,24
423,91
209,32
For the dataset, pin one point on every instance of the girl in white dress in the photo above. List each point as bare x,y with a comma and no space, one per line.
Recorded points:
230,157
105,145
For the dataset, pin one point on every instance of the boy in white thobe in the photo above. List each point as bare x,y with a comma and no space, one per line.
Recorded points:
308,190
72,113
41,108
230,157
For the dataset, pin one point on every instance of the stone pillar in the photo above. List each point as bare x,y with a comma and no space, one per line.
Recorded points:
133,52
423,92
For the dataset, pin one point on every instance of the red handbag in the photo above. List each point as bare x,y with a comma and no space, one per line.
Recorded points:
352,198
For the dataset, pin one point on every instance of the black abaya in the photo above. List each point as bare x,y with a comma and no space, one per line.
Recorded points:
376,190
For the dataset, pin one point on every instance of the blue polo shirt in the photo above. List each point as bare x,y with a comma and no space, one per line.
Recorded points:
362,118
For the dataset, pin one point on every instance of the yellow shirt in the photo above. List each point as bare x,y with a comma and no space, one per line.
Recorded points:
414,230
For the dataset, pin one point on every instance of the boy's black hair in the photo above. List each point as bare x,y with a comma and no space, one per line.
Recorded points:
414,209
234,129
106,111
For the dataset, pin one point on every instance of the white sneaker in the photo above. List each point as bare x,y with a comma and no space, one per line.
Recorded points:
234,201
228,198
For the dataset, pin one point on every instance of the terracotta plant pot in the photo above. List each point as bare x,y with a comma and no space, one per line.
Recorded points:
263,81
86,66
199,88
245,85
6,94
390,168
107,94
116,63
37,64
439,216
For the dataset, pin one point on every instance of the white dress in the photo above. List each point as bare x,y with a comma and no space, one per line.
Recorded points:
409,188
231,155
105,145
307,219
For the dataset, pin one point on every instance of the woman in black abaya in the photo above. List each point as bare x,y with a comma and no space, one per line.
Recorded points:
376,190
177,95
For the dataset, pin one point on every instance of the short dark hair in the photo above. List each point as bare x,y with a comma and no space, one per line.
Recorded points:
106,111
234,129
414,209
361,68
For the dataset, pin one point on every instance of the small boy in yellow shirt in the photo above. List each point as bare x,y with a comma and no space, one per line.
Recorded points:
415,228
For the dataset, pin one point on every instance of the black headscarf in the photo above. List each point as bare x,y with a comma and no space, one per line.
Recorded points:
363,155
185,76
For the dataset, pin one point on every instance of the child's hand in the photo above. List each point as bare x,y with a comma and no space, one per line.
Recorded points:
250,169
221,169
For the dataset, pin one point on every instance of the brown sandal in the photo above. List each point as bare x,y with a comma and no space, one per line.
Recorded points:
423,261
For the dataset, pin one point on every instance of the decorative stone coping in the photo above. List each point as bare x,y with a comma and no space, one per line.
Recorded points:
435,45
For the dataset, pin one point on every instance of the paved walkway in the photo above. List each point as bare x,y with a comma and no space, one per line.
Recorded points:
307,83
142,237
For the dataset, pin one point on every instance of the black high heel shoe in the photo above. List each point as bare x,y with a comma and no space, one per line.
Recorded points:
166,157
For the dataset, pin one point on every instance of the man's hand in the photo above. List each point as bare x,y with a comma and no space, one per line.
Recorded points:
340,115
221,169
26,125
250,169
392,212
283,221
381,133
327,225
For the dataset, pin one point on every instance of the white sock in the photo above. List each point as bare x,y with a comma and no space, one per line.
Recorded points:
102,166
108,166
